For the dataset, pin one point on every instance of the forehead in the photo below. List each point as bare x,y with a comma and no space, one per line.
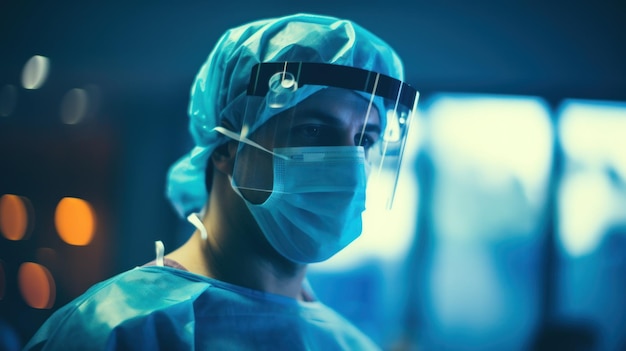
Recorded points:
346,106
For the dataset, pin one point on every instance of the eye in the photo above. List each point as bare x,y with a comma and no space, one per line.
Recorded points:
313,135
365,140
310,131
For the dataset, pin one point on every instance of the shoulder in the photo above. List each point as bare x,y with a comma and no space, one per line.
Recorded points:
94,318
166,308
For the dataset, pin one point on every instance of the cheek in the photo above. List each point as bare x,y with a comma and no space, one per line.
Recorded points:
254,174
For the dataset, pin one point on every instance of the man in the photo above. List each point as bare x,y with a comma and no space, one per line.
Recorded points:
290,116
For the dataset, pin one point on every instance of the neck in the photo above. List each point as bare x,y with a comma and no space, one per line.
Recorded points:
247,263
236,252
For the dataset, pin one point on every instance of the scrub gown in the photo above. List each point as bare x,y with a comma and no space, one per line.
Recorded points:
167,308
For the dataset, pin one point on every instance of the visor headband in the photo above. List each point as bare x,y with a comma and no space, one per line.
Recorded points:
325,74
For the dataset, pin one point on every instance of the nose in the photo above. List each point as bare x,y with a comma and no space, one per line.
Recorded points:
350,137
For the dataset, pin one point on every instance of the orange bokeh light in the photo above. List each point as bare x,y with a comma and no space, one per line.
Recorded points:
75,221
36,285
14,216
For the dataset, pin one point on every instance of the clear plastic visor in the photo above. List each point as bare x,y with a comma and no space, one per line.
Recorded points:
346,116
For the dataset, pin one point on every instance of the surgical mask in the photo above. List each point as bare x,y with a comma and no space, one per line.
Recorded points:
318,196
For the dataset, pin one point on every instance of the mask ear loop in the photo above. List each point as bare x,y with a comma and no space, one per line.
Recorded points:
245,140
194,219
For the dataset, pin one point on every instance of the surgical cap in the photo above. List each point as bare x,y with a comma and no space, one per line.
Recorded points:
219,89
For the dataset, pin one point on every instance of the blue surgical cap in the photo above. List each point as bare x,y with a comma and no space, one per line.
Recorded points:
219,89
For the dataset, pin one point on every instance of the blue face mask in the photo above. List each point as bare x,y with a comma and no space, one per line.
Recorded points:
316,203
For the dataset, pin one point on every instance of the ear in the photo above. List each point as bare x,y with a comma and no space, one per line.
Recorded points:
223,157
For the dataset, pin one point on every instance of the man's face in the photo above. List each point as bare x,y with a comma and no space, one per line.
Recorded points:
331,117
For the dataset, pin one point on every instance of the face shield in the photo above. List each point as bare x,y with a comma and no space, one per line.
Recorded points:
317,114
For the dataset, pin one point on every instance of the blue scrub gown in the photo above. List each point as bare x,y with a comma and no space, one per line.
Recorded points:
164,308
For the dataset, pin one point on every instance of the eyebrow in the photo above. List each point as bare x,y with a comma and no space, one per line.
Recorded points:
336,121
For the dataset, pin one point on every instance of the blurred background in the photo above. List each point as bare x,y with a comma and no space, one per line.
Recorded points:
509,227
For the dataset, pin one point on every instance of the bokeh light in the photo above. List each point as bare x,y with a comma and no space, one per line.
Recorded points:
492,155
592,191
8,100
35,72
15,216
586,204
36,285
75,221
502,137
74,106
593,133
